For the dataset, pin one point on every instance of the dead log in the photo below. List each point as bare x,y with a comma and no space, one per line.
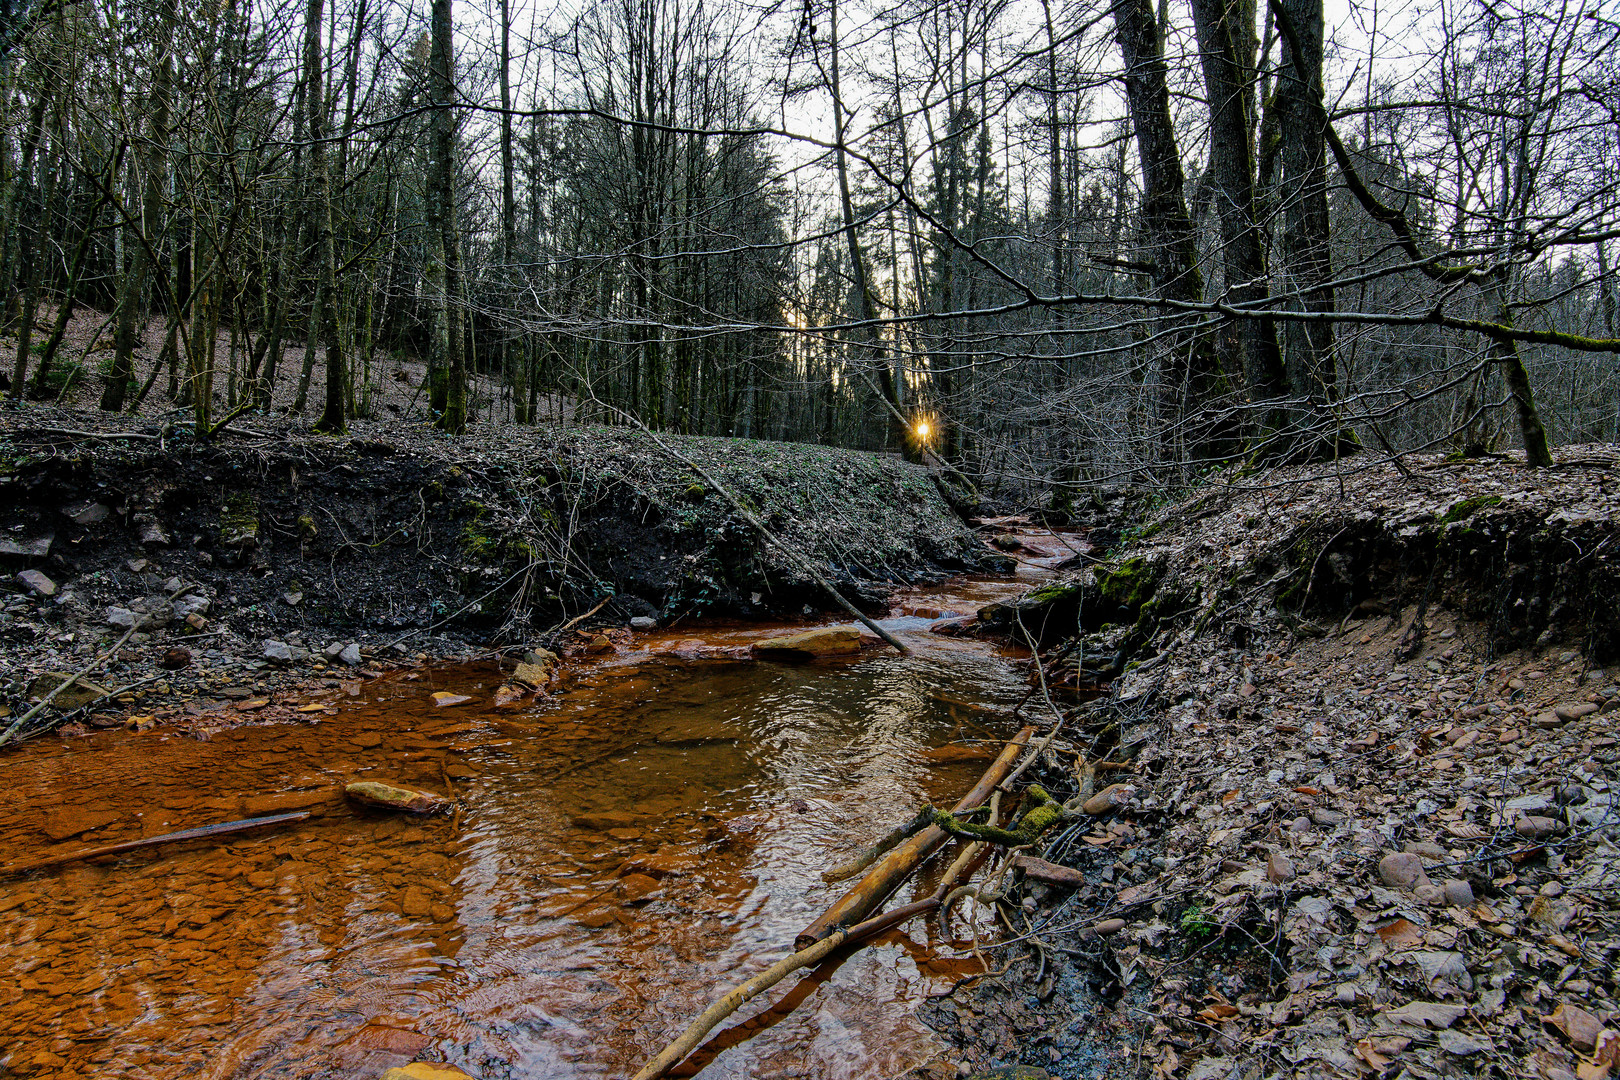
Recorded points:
204,832
893,869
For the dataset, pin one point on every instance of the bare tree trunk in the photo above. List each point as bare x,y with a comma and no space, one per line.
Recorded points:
1307,253
323,313
1228,84
1190,374
446,350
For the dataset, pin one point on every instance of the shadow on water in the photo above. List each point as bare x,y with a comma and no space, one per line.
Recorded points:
626,848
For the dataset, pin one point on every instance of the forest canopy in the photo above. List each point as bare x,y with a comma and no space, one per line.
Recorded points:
1046,242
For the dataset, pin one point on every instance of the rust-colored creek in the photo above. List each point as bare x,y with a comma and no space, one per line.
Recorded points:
626,849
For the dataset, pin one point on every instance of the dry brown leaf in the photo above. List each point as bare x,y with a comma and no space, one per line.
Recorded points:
1365,1051
1466,830
1583,1030
1216,1013
1400,933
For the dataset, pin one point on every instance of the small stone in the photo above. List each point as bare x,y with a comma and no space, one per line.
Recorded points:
196,621
1109,927
70,821
1345,993
292,599
642,622
533,675
443,699
635,887
137,566
332,649
278,651
123,618
1279,868
1425,849
350,654
1532,827
37,583
1459,893
175,659
1429,894
1328,818
87,513
1402,870
1575,711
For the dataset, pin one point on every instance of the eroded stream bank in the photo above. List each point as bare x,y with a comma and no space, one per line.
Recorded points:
625,848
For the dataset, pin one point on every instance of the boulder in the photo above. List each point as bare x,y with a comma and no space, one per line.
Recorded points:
394,797
827,641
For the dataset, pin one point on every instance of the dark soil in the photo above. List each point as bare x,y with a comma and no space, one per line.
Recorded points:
403,541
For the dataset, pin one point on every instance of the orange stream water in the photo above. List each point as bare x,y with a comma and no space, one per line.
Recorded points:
626,849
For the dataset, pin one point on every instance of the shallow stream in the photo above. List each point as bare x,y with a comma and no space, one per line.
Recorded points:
626,848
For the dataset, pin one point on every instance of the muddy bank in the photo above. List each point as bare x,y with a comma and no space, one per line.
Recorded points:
284,550
1368,726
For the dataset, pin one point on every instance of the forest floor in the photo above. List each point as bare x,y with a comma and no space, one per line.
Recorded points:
1367,740
252,564
393,390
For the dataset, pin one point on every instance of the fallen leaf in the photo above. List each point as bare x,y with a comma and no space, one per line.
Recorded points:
1427,1014
1216,1013
1466,830
1400,932
1581,1028
1365,1051
311,708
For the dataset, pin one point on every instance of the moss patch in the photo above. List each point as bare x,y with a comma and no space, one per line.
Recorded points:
1131,584
1469,507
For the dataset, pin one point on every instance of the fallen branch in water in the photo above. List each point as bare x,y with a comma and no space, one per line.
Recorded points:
847,870
858,934
884,877
228,828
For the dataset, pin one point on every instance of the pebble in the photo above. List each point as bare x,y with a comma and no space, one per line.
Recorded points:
1279,868
1535,828
1459,893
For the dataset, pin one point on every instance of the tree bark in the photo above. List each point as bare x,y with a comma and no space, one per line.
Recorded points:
1250,342
445,354
1190,372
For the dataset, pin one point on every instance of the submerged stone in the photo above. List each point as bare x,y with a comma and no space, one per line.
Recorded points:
411,800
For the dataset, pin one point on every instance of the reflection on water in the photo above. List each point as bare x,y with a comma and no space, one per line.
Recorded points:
626,848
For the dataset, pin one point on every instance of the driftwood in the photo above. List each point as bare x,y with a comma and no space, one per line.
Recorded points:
204,832
864,897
